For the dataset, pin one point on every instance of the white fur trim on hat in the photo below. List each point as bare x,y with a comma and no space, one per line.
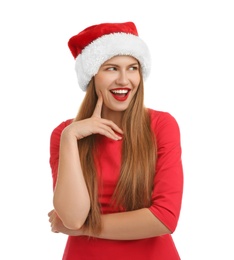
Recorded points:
102,49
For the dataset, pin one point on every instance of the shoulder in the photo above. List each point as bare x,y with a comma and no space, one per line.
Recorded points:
63,124
163,123
56,133
161,117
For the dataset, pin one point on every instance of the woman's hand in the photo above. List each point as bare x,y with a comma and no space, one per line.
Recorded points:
58,227
94,125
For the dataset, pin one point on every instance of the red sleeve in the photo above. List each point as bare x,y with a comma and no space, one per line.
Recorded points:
168,183
54,149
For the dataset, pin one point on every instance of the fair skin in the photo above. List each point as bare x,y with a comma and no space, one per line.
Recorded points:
116,83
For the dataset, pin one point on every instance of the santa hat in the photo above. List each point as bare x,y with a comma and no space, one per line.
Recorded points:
98,43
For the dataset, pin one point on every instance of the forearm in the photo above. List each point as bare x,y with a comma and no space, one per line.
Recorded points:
138,224
71,198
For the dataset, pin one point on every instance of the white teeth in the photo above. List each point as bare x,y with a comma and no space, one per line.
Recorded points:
120,91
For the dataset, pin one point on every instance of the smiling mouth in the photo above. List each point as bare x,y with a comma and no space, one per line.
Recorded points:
120,94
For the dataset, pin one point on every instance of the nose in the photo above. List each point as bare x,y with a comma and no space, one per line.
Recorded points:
122,78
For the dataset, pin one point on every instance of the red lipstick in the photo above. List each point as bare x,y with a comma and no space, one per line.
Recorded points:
120,94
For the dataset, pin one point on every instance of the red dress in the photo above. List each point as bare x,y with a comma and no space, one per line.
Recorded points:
166,197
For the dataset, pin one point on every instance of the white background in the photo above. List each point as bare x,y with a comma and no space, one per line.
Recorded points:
192,78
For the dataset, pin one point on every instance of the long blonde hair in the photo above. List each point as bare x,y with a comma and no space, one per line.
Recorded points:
134,188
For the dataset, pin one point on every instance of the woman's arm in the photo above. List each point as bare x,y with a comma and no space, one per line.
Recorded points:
138,224
71,198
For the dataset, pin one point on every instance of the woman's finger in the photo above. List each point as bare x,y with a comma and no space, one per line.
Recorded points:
98,109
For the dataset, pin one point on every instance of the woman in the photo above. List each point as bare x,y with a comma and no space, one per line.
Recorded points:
116,167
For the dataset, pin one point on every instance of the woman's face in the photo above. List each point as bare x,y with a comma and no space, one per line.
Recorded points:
117,80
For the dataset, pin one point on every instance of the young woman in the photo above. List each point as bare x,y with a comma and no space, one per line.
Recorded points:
116,167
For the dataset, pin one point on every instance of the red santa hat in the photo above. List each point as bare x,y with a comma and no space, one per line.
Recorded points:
98,43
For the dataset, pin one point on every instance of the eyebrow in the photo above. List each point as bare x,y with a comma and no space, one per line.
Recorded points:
113,64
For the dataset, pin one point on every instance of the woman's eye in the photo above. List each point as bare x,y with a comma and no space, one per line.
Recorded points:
111,68
133,68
